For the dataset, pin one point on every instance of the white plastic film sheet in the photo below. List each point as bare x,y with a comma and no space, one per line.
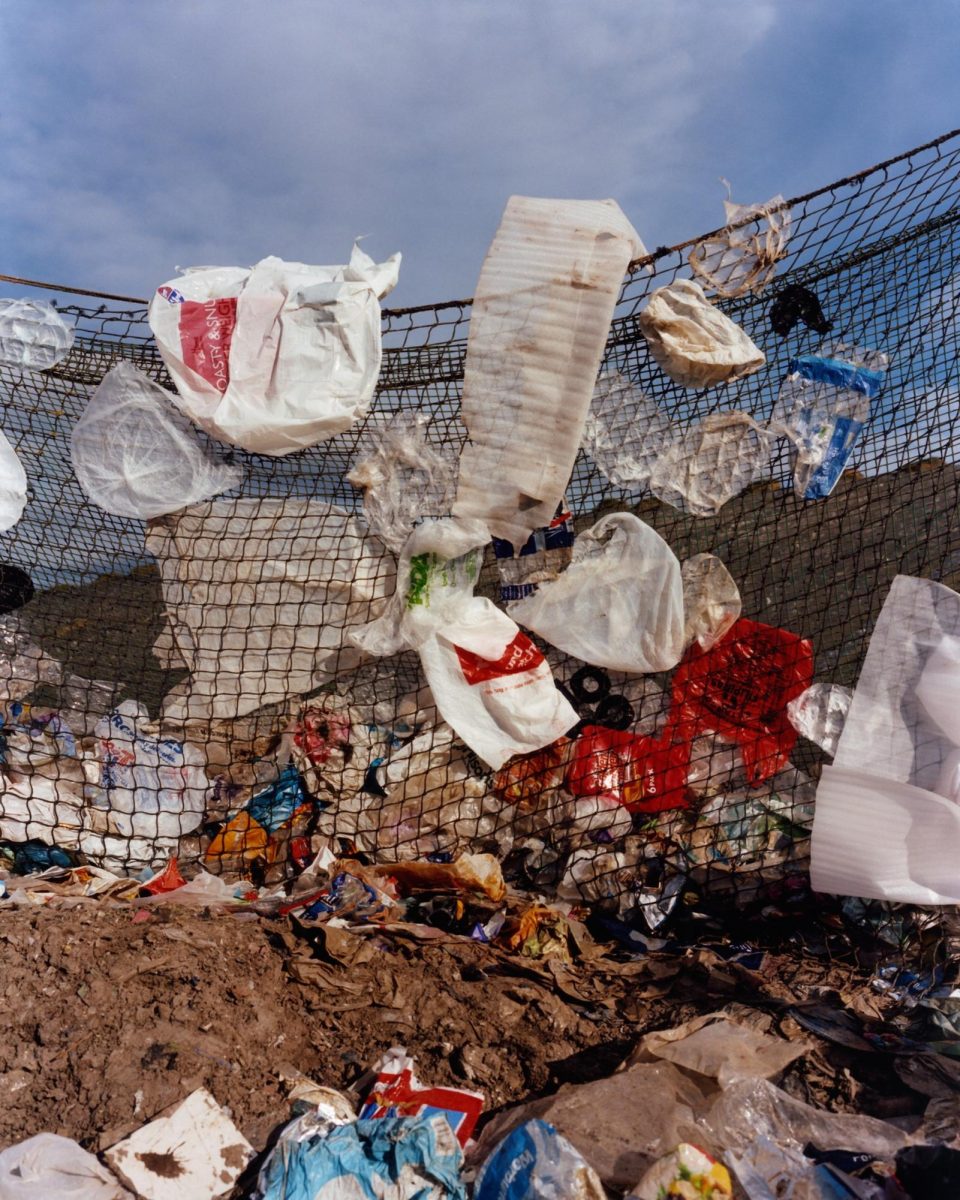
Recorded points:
887,823
257,595
539,324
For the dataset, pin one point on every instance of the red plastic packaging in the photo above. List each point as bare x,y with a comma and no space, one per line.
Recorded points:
740,689
645,774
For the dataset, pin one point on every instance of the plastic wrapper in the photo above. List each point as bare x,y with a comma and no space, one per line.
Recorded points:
250,836
743,256
531,780
33,334
535,1162
13,486
823,404
620,602
403,478
470,873
686,1174
887,821
740,689
541,314
405,1158
278,357
542,557
643,774
819,713
396,1092
488,679
47,1166
257,595
711,600
696,344
136,455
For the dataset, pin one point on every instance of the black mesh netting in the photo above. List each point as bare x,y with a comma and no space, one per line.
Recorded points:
360,756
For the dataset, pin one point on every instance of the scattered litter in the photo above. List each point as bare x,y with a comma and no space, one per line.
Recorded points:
535,1162
278,357
470,872
687,1174
396,1092
819,714
797,303
33,334
696,344
136,455
823,404
743,256
192,1150
551,278
618,605
50,1167
542,557
711,600
403,478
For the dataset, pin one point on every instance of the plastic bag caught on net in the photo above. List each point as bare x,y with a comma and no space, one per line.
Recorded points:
277,357
540,319
403,478
489,680
257,597
711,600
887,823
13,486
625,433
136,455
819,714
33,334
743,256
696,344
620,602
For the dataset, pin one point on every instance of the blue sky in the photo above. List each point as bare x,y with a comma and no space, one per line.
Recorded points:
135,137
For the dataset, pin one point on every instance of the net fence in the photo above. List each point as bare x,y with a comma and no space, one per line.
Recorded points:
99,763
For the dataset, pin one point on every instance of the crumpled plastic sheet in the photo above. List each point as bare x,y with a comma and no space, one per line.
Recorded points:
403,477
33,334
48,1165
820,713
743,256
711,599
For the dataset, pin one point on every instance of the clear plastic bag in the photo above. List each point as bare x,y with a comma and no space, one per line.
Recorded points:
696,344
33,334
625,432
819,713
620,602
136,455
743,256
711,599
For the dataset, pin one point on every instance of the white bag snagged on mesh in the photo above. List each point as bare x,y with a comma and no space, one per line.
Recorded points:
887,821
136,455
13,486
743,256
33,334
618,605
693,341
540,319
257,596
489,681
278,357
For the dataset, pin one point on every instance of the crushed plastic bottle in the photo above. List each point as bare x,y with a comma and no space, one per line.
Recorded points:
823,404
819,714
33,334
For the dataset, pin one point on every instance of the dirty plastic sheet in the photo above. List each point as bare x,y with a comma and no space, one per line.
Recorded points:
743,256
33,334
540,319
277,357
696,344
48,1166
136,455
403,478
618,605
887,823
257,595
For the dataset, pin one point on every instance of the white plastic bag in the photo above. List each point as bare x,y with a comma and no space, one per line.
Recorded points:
743,256
620,602
887,822
489,681
13,486
693,341
540,319
278,357
48,1166
136,455
257,595
33,334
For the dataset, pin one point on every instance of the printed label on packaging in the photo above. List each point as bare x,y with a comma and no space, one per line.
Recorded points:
206,331
520,656
839,448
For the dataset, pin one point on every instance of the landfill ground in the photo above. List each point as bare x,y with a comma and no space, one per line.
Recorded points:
109,1018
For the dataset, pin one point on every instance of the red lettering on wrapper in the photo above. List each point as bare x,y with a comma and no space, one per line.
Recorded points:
521,655
206,331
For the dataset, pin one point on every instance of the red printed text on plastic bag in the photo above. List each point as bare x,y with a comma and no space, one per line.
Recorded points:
521,655
206,331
